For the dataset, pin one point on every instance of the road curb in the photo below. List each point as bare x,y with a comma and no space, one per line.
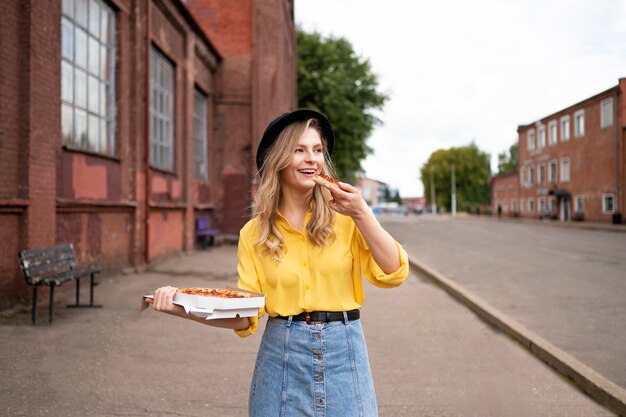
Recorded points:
597,386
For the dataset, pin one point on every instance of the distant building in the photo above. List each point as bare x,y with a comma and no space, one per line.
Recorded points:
415,204
504,194
122,121
372,191
571,163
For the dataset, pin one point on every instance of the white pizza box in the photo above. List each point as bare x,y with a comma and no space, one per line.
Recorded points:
211,308
255,300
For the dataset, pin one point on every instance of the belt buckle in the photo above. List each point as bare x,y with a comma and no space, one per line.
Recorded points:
307,318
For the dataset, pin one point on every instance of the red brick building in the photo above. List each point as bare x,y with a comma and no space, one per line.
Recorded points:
121,121
571,163
505,194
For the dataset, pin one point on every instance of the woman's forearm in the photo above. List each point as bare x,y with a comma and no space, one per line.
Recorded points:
235,323
381,244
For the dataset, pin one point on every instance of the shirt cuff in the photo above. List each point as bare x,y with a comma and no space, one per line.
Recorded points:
395,278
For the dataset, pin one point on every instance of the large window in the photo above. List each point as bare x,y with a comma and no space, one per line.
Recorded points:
606,113
579,123
161,112
541,174
87,75
199,135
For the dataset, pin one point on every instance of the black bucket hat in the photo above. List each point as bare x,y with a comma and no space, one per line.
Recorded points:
278,124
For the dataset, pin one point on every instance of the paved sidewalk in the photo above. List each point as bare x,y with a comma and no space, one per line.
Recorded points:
430,356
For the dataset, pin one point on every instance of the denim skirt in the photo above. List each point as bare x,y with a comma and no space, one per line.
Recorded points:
316,370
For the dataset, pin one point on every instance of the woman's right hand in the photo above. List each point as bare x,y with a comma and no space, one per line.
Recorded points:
163,300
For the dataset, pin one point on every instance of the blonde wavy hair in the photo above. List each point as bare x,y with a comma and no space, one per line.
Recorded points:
268,196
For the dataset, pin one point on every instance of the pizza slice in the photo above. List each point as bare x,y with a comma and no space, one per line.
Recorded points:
324,180
214,292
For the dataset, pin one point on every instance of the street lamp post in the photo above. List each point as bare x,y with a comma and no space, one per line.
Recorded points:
453,181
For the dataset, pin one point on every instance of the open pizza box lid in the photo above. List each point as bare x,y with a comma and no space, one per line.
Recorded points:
217,307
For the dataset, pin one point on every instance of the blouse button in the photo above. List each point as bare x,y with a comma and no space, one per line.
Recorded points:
306,263
307,286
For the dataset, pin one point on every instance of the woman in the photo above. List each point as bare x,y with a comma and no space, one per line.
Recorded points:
306,249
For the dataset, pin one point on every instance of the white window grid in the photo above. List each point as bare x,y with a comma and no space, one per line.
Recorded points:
88,76
161,111
531,205
531,176
200,154
541,174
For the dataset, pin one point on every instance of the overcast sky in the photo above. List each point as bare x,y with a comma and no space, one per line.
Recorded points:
460,71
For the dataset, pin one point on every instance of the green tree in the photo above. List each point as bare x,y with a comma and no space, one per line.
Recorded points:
507,161
472,172
333,79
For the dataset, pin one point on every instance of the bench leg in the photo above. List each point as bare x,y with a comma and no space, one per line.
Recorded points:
77,291
51,306
92,283
34,309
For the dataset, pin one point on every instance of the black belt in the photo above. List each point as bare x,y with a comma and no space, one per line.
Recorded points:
323,316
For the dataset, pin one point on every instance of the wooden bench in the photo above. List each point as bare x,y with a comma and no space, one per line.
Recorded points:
54,266
205,232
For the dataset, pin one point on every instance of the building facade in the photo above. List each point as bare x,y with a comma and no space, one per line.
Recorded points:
121,121
571,163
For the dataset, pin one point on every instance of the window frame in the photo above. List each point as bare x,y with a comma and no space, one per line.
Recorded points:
579,198
200,156
562,178
579,128
541,137
606,196
606,123
97,104
565,130
530,140
553,132
164,145
553,179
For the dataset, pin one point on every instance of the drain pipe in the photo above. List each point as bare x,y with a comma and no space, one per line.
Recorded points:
147,135
616,127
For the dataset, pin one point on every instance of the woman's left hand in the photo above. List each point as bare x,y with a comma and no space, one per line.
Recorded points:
347,200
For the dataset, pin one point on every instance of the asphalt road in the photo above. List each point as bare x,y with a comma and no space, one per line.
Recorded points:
568,285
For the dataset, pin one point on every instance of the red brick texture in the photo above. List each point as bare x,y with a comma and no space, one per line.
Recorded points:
115,211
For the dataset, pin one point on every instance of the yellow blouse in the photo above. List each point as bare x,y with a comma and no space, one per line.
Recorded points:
309,277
